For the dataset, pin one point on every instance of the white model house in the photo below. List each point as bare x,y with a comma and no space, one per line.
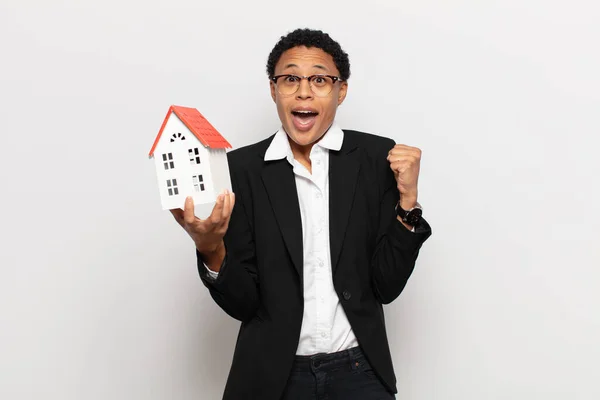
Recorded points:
190,159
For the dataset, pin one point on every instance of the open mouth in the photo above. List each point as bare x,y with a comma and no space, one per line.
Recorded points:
304,119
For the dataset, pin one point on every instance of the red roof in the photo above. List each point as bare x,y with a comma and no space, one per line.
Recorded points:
198,125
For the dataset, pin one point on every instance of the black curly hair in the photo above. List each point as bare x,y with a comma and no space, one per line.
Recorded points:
310,38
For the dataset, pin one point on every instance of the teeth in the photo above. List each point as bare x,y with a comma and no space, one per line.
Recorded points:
305,112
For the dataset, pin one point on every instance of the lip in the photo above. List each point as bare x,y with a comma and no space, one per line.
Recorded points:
304,124
305,109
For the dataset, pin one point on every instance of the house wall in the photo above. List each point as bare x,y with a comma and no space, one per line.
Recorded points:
220,170
186,166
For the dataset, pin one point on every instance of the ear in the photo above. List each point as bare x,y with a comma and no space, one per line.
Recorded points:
342,93
273,94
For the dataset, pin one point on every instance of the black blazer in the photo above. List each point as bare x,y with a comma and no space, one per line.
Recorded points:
260,283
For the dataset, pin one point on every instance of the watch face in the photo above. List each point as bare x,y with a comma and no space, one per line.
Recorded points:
414,216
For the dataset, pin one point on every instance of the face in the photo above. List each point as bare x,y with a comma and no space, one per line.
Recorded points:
304,116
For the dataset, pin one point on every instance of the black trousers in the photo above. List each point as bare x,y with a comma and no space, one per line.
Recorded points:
345,375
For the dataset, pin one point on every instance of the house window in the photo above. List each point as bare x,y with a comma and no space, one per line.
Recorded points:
172,187
168,161
198,183
177,136
194,156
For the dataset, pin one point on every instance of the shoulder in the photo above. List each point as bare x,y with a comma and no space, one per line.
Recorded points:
371,144
372,155
248,156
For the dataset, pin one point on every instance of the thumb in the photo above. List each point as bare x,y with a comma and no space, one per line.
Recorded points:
188,211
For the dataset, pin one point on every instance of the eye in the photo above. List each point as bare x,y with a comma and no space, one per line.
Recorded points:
320,81
291,79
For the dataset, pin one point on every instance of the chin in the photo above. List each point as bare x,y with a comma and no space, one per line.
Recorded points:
304,138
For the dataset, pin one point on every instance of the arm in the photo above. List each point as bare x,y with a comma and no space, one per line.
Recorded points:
235,288
225,253
397,246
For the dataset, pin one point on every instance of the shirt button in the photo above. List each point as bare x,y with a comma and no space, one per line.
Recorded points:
323,334
346,295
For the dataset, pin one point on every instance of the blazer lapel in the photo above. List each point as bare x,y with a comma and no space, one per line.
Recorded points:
343,174
278,178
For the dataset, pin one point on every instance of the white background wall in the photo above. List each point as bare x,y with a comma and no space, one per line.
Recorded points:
99,295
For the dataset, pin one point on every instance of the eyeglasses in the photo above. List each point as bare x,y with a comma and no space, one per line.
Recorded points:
320,85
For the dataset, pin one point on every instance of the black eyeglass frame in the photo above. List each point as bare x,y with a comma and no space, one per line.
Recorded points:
308,78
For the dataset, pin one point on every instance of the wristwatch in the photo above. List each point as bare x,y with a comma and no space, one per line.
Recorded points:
412,216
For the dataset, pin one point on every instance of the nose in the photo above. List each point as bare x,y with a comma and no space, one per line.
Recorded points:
304,91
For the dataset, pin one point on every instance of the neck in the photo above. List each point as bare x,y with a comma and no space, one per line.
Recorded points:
302,153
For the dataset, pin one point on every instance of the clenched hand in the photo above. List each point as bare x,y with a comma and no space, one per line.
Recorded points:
405,161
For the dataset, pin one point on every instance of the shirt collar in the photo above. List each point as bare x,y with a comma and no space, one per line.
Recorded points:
280,146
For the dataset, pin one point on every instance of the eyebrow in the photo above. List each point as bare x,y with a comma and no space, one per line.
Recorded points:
314,66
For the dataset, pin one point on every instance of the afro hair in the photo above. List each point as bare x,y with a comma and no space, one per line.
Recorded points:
310,38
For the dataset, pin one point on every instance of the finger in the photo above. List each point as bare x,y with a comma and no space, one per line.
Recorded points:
408,153
215,215
403,158
188,211
404,146
226,206
400,147
227,212
399,167
231,205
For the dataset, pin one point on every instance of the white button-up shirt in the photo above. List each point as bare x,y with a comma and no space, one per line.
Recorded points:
325,327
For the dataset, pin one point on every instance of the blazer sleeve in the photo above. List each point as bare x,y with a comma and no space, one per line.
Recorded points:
397,247
236,288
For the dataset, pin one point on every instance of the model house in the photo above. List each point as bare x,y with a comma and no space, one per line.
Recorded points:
190,159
